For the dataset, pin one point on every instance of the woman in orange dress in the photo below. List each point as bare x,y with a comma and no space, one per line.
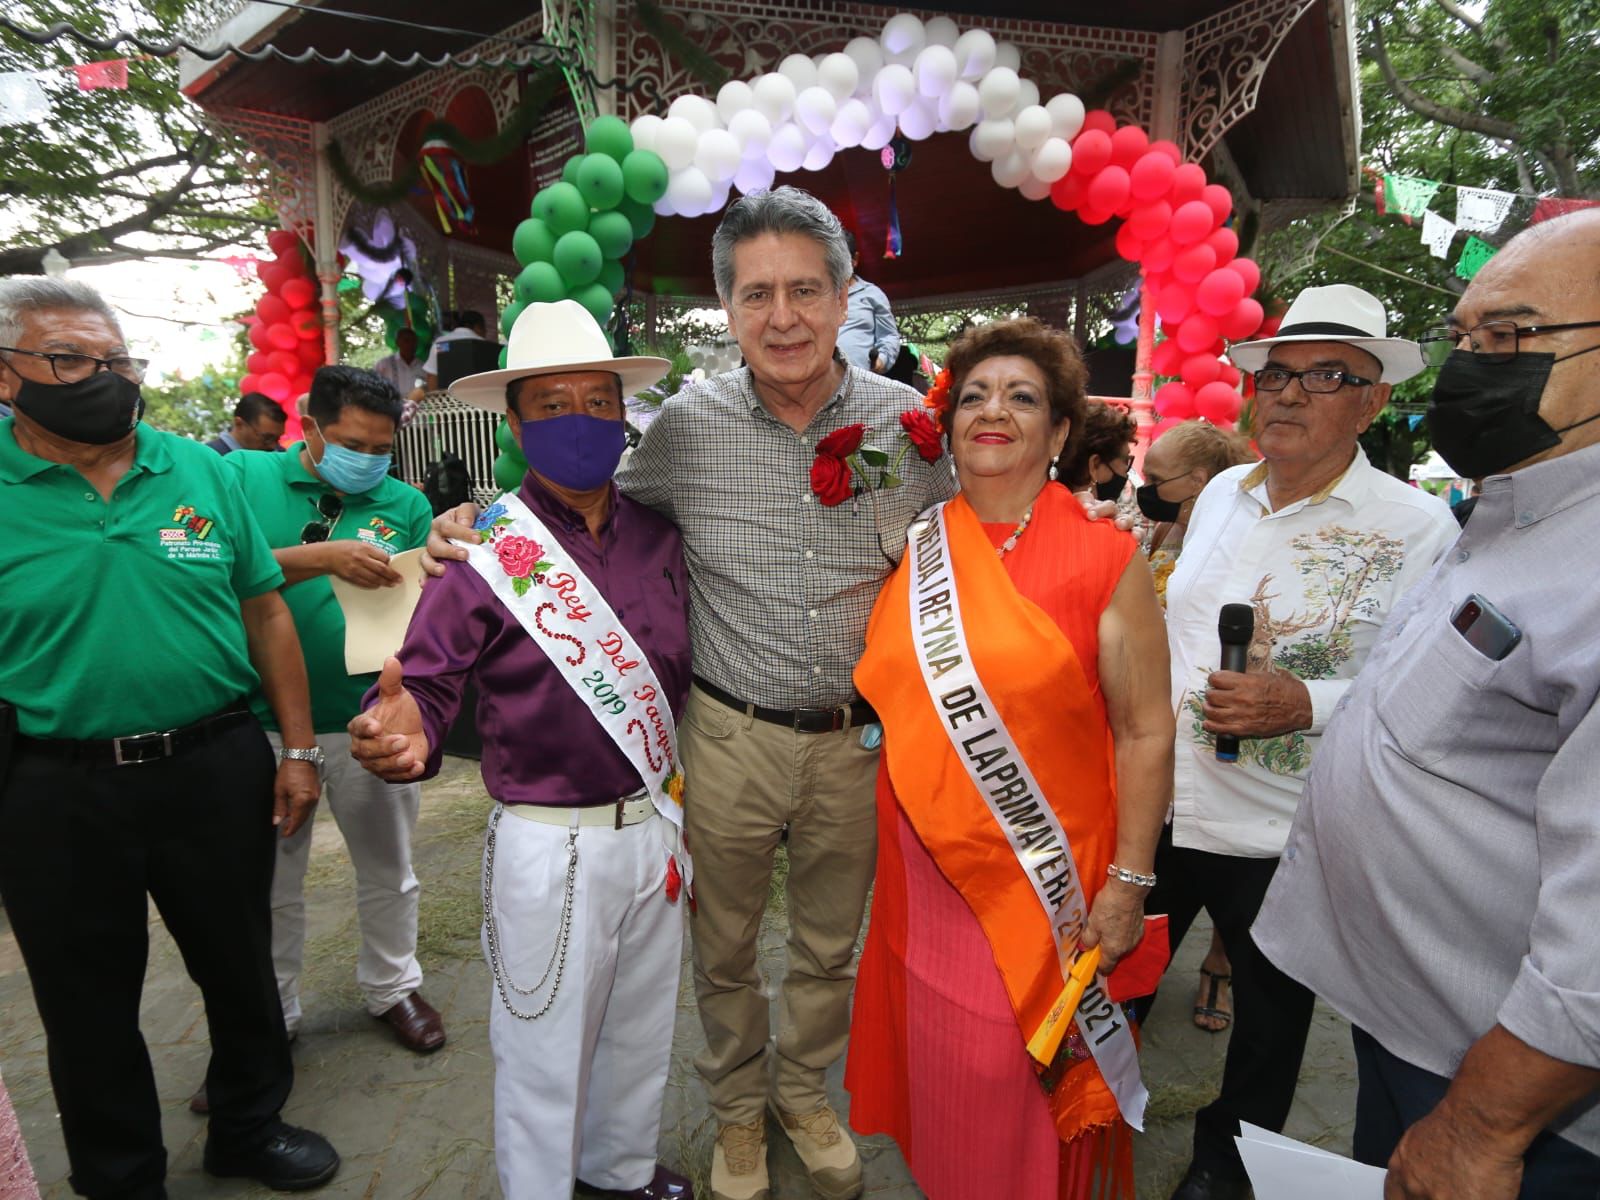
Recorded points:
1018,662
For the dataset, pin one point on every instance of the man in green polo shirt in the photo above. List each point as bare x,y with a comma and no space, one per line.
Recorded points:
330,508
140,610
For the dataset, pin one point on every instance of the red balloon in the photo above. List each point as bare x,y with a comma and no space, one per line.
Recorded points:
1151,176
1162,426
249,383
1129,244
1197,333
271,309
1066,193
1201,369
1128,145
1229,374
1175,305
1090,215
1174,400
1091,151
1169,150
259,338
1108,189
1244,321
1194,264
297,292
282,336
307,324
1192,222
1219,200
1247,270
271,275
1166,358
258,362
310,354
1100,120
1158,255
1219,293
1271,325
1218,403
282,241
1226,243
1188,181
284,362
275,385
1150,221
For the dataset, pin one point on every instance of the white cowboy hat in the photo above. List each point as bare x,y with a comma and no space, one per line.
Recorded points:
556,339
1337,313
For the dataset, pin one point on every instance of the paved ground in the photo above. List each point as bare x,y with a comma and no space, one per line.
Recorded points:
412,1127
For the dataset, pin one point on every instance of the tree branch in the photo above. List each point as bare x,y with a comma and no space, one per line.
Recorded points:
1433,110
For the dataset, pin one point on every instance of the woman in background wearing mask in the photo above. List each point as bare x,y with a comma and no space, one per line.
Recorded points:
1101,468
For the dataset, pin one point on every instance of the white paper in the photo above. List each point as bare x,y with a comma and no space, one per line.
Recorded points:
1437,232
22,100
1481,210
375,619
1281,1168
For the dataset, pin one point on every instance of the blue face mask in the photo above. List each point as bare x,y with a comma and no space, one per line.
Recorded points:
350,471
577,451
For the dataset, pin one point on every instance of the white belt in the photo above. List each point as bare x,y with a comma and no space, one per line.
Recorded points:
629,810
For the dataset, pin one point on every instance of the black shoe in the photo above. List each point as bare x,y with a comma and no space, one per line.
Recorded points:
1200,1184
292,1160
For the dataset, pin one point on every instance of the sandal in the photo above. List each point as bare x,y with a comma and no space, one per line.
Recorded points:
1213,985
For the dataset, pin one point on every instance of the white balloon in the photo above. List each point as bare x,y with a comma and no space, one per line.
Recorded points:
918,121
902,32
1066,116
935,70
644,130
851,124
975,53
1010,169
676,142
799,70
664,208
877,137
941,31
815,109
689,191
894,89
819,154
1051,160
1033,188
753,131
734,97
868,58
753,175
719,196
1027,93
696,110
787,150
998,92
1007,55
1033,126
959,107
774,97
840,75
992,139
718,155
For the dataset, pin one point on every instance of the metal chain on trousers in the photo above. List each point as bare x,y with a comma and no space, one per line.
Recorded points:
491,928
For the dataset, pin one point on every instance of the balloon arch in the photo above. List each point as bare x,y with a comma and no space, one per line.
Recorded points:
918,78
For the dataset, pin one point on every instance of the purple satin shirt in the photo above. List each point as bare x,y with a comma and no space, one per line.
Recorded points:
541,745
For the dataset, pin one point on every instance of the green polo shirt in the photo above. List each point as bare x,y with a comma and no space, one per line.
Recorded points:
393,516
122,616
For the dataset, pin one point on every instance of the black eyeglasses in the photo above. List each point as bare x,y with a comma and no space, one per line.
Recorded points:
75,368
1494,342
1317,380
331,507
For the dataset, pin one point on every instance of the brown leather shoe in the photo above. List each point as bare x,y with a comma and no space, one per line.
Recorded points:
417,1024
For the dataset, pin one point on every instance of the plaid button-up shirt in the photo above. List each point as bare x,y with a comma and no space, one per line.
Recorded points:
780,586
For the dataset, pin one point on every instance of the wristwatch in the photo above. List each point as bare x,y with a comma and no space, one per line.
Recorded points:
311,755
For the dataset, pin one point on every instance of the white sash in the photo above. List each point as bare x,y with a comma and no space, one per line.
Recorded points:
1030,824
589,647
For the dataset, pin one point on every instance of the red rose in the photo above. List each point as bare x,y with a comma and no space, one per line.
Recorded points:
842,443
518,555
923,434
830,478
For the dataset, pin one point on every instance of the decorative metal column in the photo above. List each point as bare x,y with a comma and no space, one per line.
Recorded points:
325,244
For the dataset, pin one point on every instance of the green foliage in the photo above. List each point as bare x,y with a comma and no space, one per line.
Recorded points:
201,407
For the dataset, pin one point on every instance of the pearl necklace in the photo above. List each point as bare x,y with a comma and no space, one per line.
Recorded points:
1010,543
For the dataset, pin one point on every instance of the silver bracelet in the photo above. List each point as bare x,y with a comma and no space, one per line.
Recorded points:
1115,872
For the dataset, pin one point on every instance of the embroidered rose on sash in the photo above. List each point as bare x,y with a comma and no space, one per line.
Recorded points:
518,555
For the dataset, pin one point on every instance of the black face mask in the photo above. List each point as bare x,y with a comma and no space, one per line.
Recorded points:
1157,509
1111,489
1484,417
95,411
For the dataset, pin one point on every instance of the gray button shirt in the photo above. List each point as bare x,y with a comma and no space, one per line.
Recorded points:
1443,872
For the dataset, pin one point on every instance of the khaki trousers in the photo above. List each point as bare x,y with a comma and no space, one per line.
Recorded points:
746,780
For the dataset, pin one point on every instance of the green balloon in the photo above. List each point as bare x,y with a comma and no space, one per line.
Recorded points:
610,136
612,276
533,242
612,231
509,317
503,350
569,169
540,283
600,181
644,176
641,216
508,472
578,258
506,440
564,208
595,298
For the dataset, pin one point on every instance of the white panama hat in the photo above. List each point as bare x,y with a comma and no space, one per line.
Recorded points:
1338,313
556,339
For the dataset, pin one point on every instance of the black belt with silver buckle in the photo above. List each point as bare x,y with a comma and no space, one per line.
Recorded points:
137,748
801,720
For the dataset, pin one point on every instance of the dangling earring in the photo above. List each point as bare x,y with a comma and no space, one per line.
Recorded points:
1052,470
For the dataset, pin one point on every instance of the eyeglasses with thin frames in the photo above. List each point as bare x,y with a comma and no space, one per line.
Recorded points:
1495,342
1318,380
75,368
330,508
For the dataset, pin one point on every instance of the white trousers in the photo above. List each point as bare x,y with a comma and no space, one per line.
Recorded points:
377,820
578,1091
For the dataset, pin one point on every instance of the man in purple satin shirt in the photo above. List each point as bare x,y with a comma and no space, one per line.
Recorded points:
579,589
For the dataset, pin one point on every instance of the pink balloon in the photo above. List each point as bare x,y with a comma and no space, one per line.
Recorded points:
1066,193
1099,120
297,292
275,385
1175,305
1200,369
1128,145
259,362
1197,333
249,383
1219,200
284,362
1217,403
1219,293
1243,321
271,309
1247,270
1226,243
1229,374
1108,189
1158,255
282,336
1091,151
1129,244
1174,400
1192,222
1188,181
1169,150
1151,176
1166,358
1194,263
1090,215
1150,221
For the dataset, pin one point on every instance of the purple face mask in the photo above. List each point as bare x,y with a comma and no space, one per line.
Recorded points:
577,451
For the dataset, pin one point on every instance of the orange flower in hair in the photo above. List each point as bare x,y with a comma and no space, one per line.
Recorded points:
939,396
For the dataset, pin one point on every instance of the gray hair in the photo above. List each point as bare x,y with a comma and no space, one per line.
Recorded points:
782,210
22,294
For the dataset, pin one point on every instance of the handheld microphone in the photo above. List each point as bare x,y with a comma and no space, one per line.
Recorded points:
1236,624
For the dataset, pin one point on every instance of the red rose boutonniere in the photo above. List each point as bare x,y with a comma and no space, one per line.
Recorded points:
846,464
923,435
